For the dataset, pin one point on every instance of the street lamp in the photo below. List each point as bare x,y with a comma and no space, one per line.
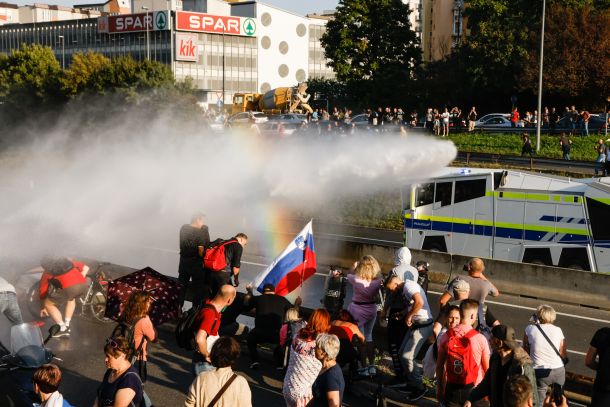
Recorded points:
63,53
606,124
539,119
147,35
223,65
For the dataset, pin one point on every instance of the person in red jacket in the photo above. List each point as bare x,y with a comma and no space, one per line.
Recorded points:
62,280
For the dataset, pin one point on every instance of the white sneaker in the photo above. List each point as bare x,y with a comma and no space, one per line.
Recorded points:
372,370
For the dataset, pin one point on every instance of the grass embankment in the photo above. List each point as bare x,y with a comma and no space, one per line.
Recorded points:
510,144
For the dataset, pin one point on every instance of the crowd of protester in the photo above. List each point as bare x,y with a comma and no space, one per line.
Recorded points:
464,356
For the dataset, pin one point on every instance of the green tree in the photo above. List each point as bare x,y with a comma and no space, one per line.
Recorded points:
86,73
372,48
29,79
576,56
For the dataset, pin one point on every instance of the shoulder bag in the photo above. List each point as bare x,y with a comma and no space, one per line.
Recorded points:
564,360
222,390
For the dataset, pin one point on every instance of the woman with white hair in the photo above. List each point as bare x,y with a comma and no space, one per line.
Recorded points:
329,385
546,346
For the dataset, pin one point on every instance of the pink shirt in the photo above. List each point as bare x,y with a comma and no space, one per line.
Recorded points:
143,327
479,345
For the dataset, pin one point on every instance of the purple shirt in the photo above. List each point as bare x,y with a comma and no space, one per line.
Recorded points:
364,291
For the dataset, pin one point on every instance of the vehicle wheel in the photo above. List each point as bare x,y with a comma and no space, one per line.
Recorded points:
435,248
538,262
33,300
98,306
576,267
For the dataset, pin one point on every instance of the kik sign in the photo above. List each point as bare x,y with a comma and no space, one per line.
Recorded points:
153,21
201,22
187,47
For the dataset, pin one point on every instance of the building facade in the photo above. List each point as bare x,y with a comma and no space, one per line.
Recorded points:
224,48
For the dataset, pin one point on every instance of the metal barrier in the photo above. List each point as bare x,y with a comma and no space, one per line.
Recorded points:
533,163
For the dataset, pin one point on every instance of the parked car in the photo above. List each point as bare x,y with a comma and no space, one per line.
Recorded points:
289,118
360,120
243,118
278,129
486,117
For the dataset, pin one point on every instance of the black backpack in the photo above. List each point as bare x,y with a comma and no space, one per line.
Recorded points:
127,331
188,324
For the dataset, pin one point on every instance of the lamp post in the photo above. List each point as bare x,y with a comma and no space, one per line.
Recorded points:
606,124
63,53
147,34
539,121
223,66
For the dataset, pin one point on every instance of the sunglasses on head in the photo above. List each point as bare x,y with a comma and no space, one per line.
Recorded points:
110,341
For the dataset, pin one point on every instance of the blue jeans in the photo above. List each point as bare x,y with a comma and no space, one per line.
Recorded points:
10,308
200,365
585,129
367,329
601,159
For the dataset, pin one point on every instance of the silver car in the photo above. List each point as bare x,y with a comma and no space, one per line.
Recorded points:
290,118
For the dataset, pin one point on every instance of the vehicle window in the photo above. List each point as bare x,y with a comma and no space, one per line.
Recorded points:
405,195
424,194
469,189
250,98
443,193
238,100
599,219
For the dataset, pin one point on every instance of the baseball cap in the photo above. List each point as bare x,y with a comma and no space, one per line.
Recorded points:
268,287
461,286
506,334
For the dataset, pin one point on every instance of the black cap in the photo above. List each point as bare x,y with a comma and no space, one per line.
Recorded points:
506,334
268,287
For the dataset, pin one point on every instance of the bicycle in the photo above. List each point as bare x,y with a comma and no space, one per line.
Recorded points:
92,303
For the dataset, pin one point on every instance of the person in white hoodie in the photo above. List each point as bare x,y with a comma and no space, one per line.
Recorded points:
395,303
46,382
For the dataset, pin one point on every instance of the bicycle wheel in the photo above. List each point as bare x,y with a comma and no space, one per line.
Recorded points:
33,300
97,306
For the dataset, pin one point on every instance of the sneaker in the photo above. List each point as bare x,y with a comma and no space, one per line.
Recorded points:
417,394
372,370
63,333
254,365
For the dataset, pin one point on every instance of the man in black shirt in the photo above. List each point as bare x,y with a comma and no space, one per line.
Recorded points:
194,237
233,251
270,311
600,347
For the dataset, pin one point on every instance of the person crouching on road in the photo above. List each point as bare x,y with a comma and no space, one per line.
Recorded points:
227,388
62,280
46,381
233,252
207,332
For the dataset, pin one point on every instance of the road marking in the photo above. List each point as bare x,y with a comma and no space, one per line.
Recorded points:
362,238
603,321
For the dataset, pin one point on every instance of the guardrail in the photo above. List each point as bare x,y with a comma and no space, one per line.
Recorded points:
533,163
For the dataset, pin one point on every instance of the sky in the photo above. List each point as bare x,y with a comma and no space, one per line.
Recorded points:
301,7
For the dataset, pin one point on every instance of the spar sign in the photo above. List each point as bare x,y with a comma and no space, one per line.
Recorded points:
208,23
153,21
187,47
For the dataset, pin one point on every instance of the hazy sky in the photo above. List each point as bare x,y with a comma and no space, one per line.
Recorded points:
296,6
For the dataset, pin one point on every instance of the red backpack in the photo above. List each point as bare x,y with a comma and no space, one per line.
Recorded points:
215,258
461,367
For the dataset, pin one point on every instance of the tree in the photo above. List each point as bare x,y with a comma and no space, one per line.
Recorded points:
86,73
576,56
372,48
29,79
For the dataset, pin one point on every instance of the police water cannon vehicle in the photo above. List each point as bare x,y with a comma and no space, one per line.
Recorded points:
512,215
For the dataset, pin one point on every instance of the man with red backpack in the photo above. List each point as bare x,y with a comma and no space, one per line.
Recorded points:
62,280
463,359
222,261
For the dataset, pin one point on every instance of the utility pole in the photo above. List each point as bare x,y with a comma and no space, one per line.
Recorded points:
223,66
147,34
63,53
539,121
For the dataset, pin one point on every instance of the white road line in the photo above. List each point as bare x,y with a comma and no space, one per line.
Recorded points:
362,238
534,309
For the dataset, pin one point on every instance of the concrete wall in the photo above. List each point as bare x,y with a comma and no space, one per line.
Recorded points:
530,280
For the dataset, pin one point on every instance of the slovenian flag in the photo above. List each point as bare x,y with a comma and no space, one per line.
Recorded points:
296,264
